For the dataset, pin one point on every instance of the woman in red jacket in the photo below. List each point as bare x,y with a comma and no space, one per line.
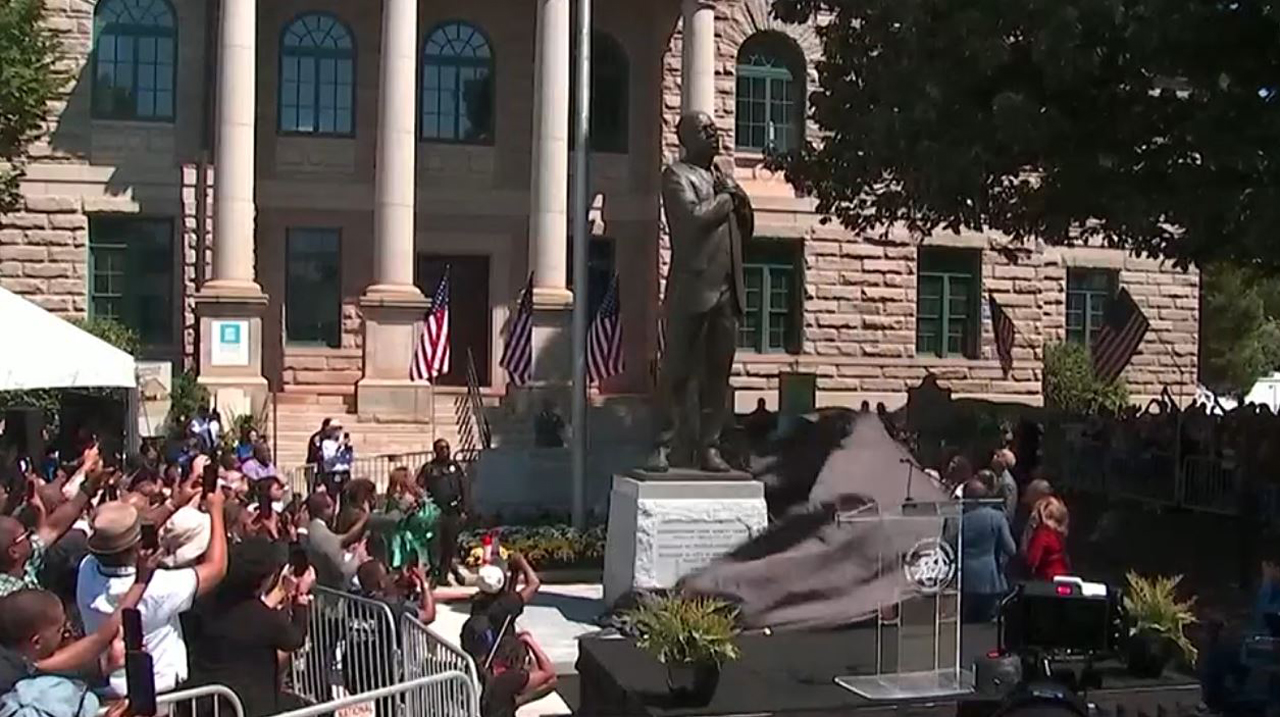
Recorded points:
1045,542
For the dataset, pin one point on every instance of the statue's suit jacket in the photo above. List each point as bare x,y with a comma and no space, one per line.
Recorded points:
706,241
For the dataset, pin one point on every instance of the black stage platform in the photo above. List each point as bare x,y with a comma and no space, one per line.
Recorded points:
792,674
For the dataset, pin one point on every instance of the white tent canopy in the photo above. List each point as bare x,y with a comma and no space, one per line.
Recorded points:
43,351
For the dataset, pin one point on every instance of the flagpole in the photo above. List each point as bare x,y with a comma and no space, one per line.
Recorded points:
581,237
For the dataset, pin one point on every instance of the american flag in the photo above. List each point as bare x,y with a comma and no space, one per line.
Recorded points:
1120,336
604,339
1002,328
431,356
517,352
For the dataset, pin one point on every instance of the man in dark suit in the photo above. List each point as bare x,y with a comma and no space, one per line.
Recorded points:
709,217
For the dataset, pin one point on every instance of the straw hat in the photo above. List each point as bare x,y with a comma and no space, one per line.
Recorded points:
116,528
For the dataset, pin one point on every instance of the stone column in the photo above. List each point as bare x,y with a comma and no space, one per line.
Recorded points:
393,307
698,57
549,193
231,304
394,185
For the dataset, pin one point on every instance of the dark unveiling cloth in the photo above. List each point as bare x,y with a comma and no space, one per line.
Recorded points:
809,571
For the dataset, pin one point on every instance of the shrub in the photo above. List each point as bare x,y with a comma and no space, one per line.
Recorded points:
111,331
186,397
1071,386
681,630
1153,604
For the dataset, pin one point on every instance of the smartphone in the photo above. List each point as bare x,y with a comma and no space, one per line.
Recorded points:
110,493
31,491
210,478
132,620
139,671
150,537
265,506
412,561
298,562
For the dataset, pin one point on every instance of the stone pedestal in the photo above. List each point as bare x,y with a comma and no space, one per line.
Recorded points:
662,526
230,361
392,325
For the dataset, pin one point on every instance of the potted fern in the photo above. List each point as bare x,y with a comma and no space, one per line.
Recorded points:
693,637
1158,620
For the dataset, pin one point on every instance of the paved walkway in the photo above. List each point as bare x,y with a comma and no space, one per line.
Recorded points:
558,616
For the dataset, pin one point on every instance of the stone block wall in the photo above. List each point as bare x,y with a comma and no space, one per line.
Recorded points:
43,253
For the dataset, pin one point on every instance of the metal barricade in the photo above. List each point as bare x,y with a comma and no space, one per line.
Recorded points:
302,480
1148,477
221,701
1209,486
206,701
426,653
409,699
351,648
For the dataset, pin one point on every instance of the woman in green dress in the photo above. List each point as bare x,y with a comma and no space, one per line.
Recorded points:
408,542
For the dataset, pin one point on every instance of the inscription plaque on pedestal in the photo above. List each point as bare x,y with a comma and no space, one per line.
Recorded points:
684,545
661,530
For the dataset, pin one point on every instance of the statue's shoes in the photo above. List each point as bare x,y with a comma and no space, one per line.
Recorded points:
658,462
713,463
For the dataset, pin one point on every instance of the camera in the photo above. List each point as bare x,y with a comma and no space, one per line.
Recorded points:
1066,619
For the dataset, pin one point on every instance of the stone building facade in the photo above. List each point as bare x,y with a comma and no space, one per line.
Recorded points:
366,147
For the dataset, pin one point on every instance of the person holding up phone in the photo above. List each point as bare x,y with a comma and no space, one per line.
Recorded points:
23,551
260,610
33,636
106,574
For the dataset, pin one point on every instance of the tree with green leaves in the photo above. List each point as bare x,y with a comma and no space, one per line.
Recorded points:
29,79
1148,125
1239,328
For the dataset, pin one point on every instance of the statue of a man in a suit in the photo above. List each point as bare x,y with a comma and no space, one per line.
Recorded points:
709,217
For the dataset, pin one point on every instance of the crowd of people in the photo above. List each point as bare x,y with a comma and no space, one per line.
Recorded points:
1011,530
221,564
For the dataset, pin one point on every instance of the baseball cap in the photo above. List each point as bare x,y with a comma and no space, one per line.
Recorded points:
490,579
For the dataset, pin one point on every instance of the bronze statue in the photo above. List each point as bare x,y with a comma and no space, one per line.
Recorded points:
709,217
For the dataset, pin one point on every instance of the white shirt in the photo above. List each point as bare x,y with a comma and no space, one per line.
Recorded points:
337,456
99,590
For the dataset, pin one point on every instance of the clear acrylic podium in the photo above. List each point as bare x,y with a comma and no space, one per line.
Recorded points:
917,595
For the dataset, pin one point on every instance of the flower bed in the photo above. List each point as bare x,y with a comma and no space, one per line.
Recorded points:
544,546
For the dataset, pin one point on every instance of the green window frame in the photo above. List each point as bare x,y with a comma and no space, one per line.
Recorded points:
767,101
131,275
772,277
1089,294
456,100
313,287
948,305
135,49
317,77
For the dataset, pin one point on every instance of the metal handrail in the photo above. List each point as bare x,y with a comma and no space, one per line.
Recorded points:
411,624
191,694
325,708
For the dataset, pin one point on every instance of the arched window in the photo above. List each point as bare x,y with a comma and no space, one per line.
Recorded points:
317,76
134,58
457,85
610,88
770,93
